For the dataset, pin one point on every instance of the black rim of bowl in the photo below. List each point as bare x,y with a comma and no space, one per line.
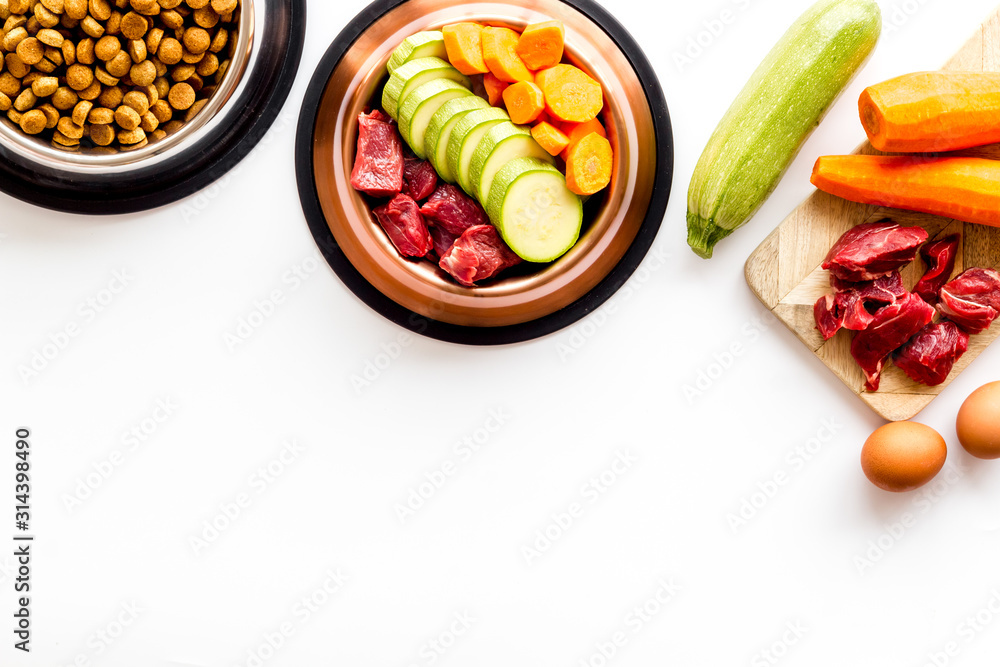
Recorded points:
197,166
469,335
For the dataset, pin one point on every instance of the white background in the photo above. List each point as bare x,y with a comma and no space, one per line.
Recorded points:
827,554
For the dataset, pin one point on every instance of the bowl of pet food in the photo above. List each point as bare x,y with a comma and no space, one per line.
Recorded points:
110,106
484,172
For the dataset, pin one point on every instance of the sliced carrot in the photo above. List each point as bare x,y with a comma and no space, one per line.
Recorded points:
463,42
588,166
576,131
954,187
550,138
524,102
932,112
499,52
570,94
541,44
494,88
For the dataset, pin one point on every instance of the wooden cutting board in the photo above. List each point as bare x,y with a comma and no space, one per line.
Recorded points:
784,272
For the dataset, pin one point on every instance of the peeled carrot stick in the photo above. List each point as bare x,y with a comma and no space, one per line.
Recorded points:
954,187
463,43
494,88
932,112
524,102
588,165
570,94
550,137
500,54
541,44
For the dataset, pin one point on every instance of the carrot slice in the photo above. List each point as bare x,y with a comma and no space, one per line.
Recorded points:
494,88
576,131
501,58
588,165
541,44
954,187
932,112
524,102
570,94
463,43
550,138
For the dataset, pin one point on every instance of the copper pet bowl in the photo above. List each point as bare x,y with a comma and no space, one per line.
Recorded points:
531,300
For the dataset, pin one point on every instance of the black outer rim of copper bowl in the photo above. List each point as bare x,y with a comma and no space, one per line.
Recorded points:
468,335
268,85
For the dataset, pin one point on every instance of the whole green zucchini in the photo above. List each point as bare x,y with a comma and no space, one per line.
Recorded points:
774,114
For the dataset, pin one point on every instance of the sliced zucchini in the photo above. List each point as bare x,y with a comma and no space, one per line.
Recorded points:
440,127
421,45
416,110
501,144
465,138
535,213
414,74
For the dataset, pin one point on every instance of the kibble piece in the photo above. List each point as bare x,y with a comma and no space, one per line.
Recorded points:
149,122
208,66
153,39
81,111
143,74
64,98
181,96
69,129
137,50
51,115
107,47
75,9
157,135
144,6
79,77
45,18
195,110
224,6
113,26
111,97
101,116
85,53
106,79
55,55
9,84
120,65
63,140
30,51
31,78
92,27
182,73
152,95
206,17
14,115
50,37
169,4
46,66
25,101
134,26
197,4
161,69
103,134
133,136
170,51
100,9
163,111
192,58
19,6
172,19
5,102
54,6
91,92
197,40
127,118
33,122
16,66
137,101
14,21
219,41
195,82
14,37
44,86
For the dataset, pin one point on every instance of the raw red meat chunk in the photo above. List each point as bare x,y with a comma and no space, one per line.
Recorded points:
972,300
378,167
890,329
401,220
443,240
872,250
453,210
478,254
419,177
854,305
930,355
940,258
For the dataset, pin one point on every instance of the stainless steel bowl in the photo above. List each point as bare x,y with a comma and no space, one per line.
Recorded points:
263,63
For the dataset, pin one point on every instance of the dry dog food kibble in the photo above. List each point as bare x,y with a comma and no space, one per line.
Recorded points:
111,74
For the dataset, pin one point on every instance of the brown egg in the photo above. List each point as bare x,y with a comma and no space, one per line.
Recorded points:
978,422
902,456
